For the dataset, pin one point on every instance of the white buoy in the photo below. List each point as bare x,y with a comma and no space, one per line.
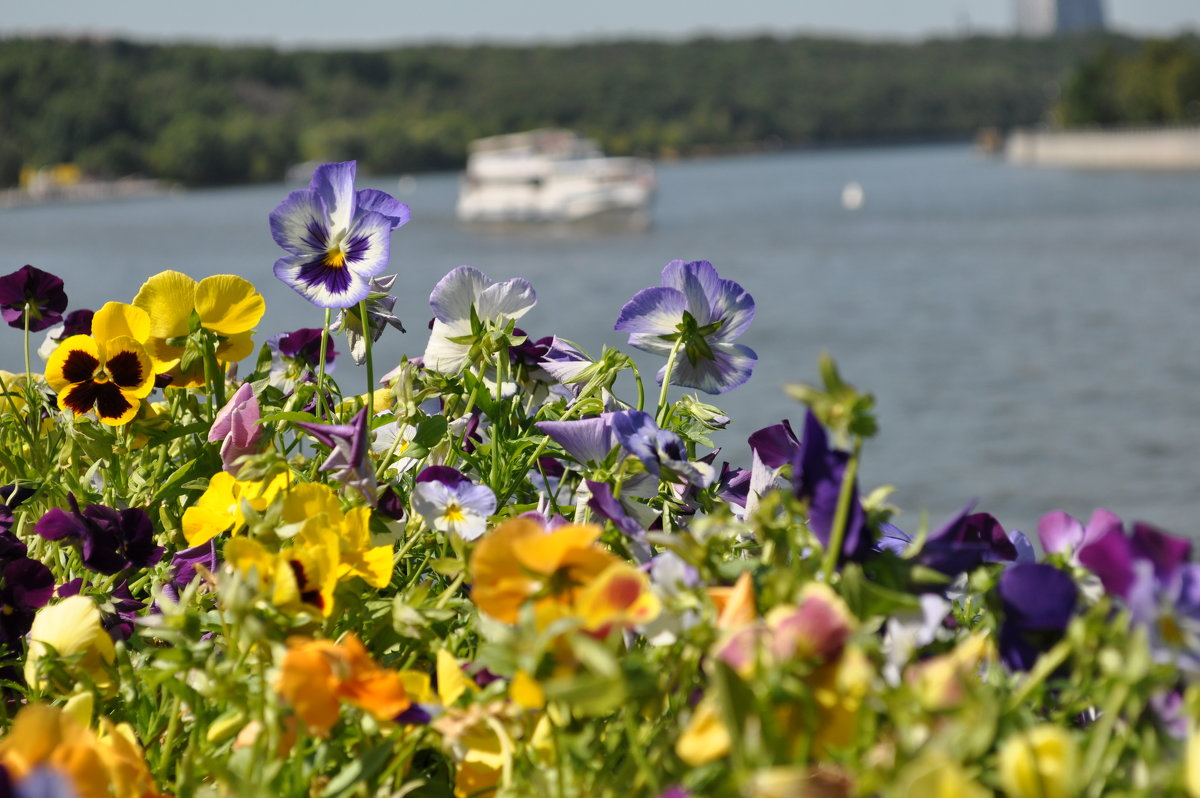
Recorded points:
853,196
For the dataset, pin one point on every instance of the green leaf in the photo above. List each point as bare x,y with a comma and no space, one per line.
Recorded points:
360,771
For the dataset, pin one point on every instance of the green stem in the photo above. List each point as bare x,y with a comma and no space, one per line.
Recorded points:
28,371
321,404
639,756
1109,715
662,395
366,329
842,516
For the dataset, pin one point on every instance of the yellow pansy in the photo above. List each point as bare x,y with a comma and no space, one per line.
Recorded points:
70,629
309,505
706,739
220,506
302,576
109,371
225,304
1042,762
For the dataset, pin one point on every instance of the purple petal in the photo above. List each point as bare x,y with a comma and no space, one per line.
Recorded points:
384,204
638,433
586,439
1059,532
710,298
1037,596
29,583
604,504
58,524
184,562
1110,557
1101,523
223,422
1166,552
776,445
731,367
450,477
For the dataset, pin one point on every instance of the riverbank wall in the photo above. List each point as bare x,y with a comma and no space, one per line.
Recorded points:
1171,149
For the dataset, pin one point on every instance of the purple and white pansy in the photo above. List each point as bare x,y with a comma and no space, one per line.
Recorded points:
451,503
702,314
336,238
466,297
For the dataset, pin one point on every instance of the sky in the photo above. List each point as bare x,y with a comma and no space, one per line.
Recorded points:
297,23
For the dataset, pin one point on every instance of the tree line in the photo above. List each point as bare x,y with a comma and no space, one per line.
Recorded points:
1156,83
204,115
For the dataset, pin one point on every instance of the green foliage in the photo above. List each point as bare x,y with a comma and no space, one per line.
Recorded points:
1154,84
205,115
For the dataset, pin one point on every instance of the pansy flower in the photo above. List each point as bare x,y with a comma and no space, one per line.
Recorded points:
451,503
336,238
318,675
25,585
660,450
236,427
30,296
701,313
108,372
224,304
1038,602
64,630
110,540
464,302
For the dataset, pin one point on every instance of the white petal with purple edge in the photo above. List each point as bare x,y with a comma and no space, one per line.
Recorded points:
455,293
699,283
510,299
652,311
288,270
731,367
300,224
735,305
369,244
334,183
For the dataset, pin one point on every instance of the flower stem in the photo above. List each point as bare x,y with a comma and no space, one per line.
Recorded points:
362,312
28,371
666,383
321,404
842,516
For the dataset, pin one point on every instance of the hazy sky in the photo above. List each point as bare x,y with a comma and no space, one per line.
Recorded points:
364,22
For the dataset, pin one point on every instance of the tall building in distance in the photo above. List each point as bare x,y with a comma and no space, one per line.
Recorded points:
1050,17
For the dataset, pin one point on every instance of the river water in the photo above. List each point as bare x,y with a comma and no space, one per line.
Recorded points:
1031,337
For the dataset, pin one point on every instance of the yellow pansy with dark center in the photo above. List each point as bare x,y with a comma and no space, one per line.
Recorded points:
109,372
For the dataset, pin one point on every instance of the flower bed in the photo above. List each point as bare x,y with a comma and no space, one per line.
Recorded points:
490,574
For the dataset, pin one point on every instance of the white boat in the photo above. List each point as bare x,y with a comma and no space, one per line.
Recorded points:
550,176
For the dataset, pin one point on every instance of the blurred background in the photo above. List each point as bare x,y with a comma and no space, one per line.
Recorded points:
988,212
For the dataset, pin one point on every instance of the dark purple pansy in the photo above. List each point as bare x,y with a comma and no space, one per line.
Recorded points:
1038,602
817,472
965,542
33,293
119,614
27,585
110,540
305,345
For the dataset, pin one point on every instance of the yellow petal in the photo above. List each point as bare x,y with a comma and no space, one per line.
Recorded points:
211,514
117,319
168,298
526,692
228,304
705,739
55,377
235,348
452,682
